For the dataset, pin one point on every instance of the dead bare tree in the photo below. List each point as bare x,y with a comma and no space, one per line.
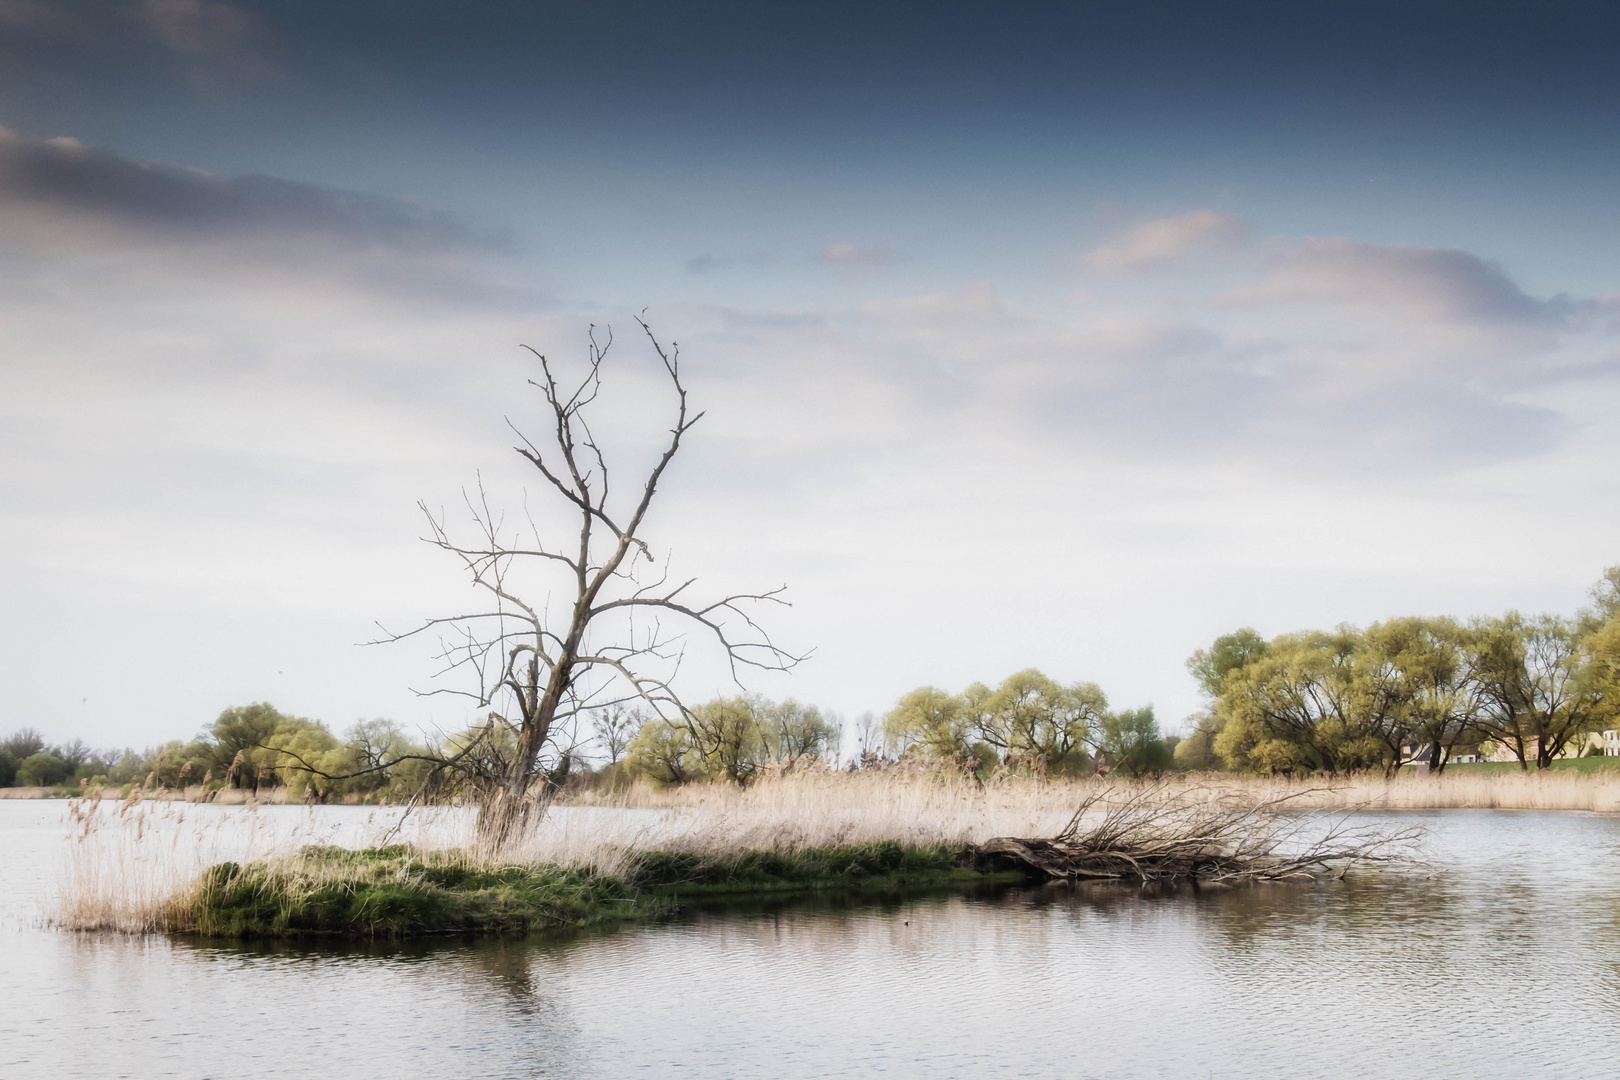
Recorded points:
615,726
617,634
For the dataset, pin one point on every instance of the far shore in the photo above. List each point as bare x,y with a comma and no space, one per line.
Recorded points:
1591,785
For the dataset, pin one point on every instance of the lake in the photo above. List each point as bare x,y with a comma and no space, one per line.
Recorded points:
1501,960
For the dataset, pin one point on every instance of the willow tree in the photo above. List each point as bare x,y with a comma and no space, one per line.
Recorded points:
1536,679
1307,704
1436,702
578,613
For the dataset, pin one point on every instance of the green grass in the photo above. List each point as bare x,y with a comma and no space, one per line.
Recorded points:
1580,765
402,892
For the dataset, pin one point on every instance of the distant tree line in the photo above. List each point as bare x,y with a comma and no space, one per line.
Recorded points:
253,746
730,739
1029,724
1532,688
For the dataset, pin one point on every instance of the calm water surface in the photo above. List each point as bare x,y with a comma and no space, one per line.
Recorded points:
1504,963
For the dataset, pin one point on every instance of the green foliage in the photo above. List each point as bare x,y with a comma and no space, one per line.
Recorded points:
1029,721
885,864
927,720
664,753
396,891
42,769
1299,708
791,733
1601,674
399,891
1541,693
1037,721
1229,652
1133,744
266,747
726,734
1197,750
730,739
1411,689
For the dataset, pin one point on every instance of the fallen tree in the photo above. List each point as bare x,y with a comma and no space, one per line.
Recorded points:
1200,835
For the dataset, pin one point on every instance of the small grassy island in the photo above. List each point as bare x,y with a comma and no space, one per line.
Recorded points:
1137,836
401,891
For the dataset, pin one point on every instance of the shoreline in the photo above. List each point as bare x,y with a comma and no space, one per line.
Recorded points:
401,893
1591,789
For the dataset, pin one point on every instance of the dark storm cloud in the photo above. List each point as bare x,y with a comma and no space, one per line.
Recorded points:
63,178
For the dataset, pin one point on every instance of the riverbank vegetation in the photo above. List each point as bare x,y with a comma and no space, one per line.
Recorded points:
142,866
403,891
250,750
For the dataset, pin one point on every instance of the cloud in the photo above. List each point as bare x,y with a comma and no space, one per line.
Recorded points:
708,263
65,181
975,304
703,264
1477,370
1418,283
198,27
149,229
1163,241
210,46
847,254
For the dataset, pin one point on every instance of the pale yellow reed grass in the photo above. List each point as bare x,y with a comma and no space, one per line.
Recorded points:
819,804
1551,790
816,808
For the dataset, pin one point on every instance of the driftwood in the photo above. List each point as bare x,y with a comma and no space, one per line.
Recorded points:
1201,835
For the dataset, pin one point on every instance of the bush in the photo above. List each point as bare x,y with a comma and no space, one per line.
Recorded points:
1133,743
664,753
42,770
8,769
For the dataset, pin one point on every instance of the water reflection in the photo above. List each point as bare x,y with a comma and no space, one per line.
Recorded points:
1503,963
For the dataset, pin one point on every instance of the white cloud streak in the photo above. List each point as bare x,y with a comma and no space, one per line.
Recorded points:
1417,283
1163,241
847,254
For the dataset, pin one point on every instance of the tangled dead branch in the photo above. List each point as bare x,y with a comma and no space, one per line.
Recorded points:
1201,835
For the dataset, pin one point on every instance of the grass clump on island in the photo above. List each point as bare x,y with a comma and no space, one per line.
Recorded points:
401,891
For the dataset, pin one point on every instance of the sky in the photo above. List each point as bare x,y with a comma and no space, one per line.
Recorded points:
1066,336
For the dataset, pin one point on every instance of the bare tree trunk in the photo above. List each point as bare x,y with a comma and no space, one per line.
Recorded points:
550,665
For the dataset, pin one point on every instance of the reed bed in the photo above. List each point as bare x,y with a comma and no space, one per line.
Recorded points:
1597,792
133,863
1032,806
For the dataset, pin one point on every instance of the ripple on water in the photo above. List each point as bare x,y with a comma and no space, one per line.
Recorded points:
1505,962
